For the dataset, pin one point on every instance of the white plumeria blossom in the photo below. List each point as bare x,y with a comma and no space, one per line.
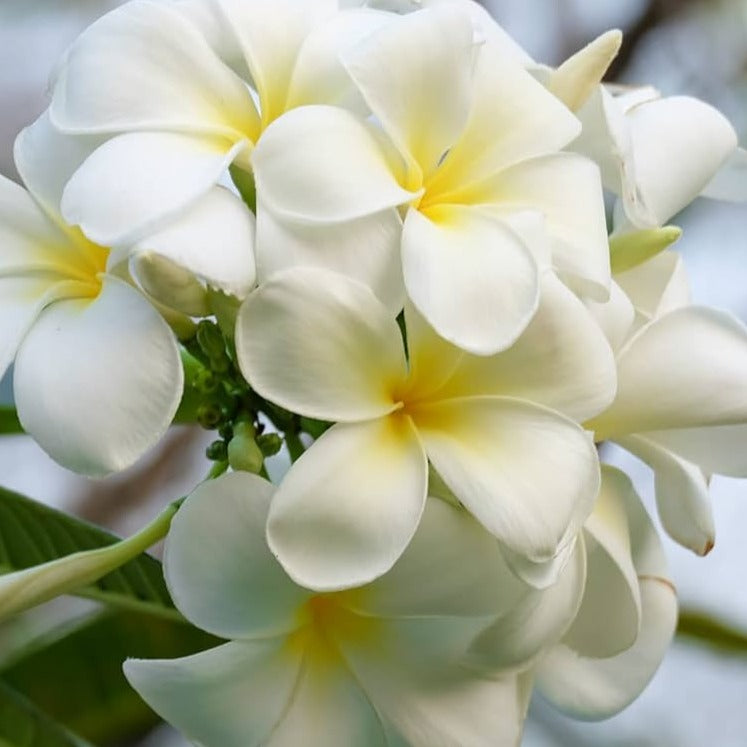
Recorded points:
383,664
681,403
322,345
627,617
468,150
210,76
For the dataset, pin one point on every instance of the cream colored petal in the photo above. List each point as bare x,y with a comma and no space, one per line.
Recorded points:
145,67
351,504
528,474
365,249
97,381
470,276
233,695
322,164
682,497
213,239
135,183
562,360
616,317
217,565
322,345
685,369
416,76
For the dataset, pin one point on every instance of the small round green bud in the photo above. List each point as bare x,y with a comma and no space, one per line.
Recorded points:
269,443
226,431
209,415
217,451
206,382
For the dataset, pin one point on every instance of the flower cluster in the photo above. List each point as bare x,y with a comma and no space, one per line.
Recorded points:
391,222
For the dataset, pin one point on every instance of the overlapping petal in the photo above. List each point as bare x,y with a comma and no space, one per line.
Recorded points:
97,382
282,244
566,188
348,508
210,697
214,240
686,369
178,84
136,182
562,360
322,345
528,474
423,120
593,688
322,164
229,583
470,276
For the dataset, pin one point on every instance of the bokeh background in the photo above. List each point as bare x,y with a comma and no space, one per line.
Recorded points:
699,696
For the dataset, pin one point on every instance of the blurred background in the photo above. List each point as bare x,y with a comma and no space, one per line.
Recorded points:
699,47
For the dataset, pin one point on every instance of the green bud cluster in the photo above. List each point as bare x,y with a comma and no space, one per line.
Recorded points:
218,398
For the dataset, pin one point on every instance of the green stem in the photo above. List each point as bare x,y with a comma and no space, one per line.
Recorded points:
294,444
30,587
704,629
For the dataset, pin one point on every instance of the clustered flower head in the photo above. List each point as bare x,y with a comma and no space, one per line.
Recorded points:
375,234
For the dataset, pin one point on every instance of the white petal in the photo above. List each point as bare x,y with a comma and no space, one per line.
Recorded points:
145,67
322,345
230,696
321,164
615,317
562,360
595,688
328,709
534,622
730,182
513,118
349,507
270,36
365,249
218,534
134,183
679,144
567,190
97,382
22,299
528,474
682,497
46,159
718,449
413,676
319,75
30,241
683,370
612,591
575,80
433,579
470,276
214,239
416,76
657,286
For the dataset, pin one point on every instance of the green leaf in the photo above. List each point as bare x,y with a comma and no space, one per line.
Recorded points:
9,422
24,725
32,533
75,674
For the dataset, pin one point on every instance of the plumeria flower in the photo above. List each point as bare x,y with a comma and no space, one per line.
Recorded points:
627,617
98,375
475,171
681,403
178,92
322,345
382,664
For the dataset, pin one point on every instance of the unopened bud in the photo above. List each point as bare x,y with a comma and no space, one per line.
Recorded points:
210,339
243,452
269,443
